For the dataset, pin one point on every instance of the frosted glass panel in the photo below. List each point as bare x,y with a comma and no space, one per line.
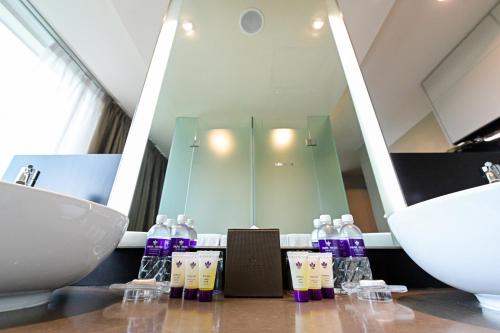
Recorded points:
210,183
219,194
286,191
332,196
295,180
173,198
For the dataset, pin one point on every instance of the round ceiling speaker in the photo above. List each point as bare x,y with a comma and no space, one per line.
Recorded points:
251,21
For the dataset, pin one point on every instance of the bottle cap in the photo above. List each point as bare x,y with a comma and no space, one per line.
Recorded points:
325,218
160,219
190,294
176,292
301,295
205,295
328,292
181,218
347,219
315,295
317,223
337,223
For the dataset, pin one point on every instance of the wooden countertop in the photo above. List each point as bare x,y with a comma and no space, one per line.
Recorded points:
91,309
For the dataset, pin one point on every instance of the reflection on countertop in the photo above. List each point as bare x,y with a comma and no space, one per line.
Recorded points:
89,309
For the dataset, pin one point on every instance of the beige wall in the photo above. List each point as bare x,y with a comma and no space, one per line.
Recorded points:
425,137
361,209
373,193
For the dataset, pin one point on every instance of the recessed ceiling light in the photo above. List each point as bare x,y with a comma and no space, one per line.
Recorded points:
318,24
187,26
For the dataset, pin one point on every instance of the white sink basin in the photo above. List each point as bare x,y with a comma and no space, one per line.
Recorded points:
48,241
456,239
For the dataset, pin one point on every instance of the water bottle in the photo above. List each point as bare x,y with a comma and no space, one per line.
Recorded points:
193,236
337,224
153,263
357,266
179,233
314,233
169,223
355,236
326,235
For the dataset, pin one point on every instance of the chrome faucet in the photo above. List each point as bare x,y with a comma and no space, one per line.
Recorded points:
492,172
27,176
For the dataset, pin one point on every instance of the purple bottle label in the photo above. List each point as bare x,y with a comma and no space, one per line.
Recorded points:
192,243
344,249
357,247
315,245
329,245
156,247
179,244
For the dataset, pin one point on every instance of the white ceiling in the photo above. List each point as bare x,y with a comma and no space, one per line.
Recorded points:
364,20
114,38
285,71
413,40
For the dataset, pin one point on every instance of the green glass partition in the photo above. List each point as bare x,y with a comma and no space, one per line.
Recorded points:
245,171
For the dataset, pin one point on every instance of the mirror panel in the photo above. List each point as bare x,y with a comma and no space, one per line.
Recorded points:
264,129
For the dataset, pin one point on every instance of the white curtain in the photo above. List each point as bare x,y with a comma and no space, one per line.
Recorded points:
47,104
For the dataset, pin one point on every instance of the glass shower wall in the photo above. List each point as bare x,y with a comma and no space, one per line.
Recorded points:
298,176
175,186
332,195
208,174
241,170
219,194
286,194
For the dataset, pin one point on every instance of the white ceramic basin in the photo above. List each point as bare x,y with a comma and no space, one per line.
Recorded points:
456,239
48,241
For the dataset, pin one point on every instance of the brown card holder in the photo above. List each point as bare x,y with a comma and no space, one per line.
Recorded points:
253,263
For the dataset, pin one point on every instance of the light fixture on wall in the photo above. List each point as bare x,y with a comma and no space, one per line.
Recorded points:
318,24
282,137
221,141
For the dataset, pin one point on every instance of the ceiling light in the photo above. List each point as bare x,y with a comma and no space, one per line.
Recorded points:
318,24
187,26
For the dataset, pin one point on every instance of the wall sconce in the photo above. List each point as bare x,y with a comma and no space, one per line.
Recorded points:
221,141
282,137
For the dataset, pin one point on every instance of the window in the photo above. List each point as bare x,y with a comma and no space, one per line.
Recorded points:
48,105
